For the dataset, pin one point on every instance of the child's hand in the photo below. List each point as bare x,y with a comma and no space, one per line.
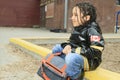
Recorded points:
67,49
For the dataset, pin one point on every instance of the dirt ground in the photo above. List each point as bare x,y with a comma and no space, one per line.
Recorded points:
23,69
111,57
27,66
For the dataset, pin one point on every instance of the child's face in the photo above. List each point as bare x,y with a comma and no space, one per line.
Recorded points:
78,18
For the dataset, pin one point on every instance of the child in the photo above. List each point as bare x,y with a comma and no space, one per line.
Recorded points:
87,35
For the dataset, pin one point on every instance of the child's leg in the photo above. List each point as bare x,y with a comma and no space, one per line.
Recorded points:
58,49
75,65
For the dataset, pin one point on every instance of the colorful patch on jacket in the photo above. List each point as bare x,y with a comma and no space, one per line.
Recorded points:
95,38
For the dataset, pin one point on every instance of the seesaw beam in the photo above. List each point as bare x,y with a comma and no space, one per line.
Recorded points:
98,74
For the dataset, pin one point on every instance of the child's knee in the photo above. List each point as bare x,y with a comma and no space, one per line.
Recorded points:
57,48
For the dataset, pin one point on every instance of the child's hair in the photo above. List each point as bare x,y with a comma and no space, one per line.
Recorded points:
87,9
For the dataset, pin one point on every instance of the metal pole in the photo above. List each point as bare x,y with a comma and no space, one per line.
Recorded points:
65,14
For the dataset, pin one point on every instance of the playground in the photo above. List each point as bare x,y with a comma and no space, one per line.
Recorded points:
26,65
110,64
17,64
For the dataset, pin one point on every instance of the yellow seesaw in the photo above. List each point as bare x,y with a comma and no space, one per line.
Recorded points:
98,74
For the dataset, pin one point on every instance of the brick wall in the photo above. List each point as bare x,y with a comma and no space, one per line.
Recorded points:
19,13
57,21
105,12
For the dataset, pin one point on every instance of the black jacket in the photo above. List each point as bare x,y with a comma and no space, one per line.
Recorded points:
89,38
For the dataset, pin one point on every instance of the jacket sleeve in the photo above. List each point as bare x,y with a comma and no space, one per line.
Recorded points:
96,44
96,39
94,48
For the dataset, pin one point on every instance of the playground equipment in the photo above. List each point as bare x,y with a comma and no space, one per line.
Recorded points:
117,27
98,74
